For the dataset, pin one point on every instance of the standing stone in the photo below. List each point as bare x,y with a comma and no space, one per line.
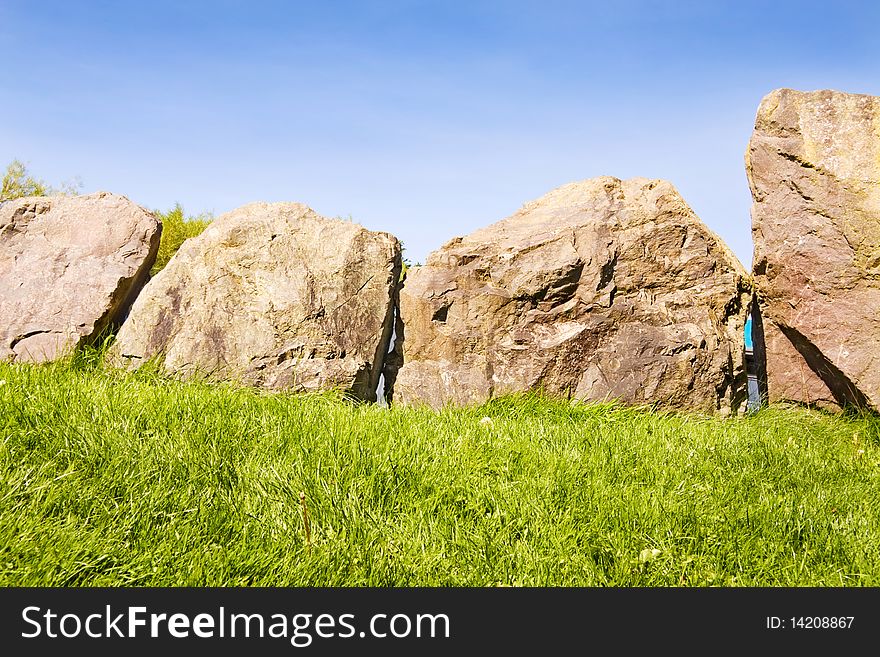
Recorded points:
272,295
813,164
70,267
600,290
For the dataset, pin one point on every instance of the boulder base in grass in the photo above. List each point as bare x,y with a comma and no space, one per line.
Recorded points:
69,268
272,295
600,290
813,164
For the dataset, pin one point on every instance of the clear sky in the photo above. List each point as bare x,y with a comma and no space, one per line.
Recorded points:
425,119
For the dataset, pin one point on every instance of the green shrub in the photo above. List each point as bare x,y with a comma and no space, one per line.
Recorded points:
176,228
18,182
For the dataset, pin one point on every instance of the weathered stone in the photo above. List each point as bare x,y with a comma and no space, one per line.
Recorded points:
813,164
69,268
602,289
272,295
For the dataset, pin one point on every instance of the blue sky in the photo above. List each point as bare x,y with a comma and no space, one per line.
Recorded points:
425,119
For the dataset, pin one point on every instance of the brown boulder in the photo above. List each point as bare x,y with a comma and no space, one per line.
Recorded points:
602,289
813,165
69,268
272,295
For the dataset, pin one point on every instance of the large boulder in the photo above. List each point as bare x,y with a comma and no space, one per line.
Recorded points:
600,290
70,267
271,295
813,165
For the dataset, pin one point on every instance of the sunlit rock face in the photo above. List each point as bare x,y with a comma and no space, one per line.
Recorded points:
70,267
271,295
813,165
604,289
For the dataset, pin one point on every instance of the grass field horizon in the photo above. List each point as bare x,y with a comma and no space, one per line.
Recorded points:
110,478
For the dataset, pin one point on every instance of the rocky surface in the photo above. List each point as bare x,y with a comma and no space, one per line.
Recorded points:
271,295
69,268
813,165
602,289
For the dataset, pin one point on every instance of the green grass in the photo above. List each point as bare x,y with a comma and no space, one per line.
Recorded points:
134,479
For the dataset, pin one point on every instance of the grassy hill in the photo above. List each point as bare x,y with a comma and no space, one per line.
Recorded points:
135,479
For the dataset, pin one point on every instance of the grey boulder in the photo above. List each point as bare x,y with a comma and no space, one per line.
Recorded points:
271,295
70,267
600,290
